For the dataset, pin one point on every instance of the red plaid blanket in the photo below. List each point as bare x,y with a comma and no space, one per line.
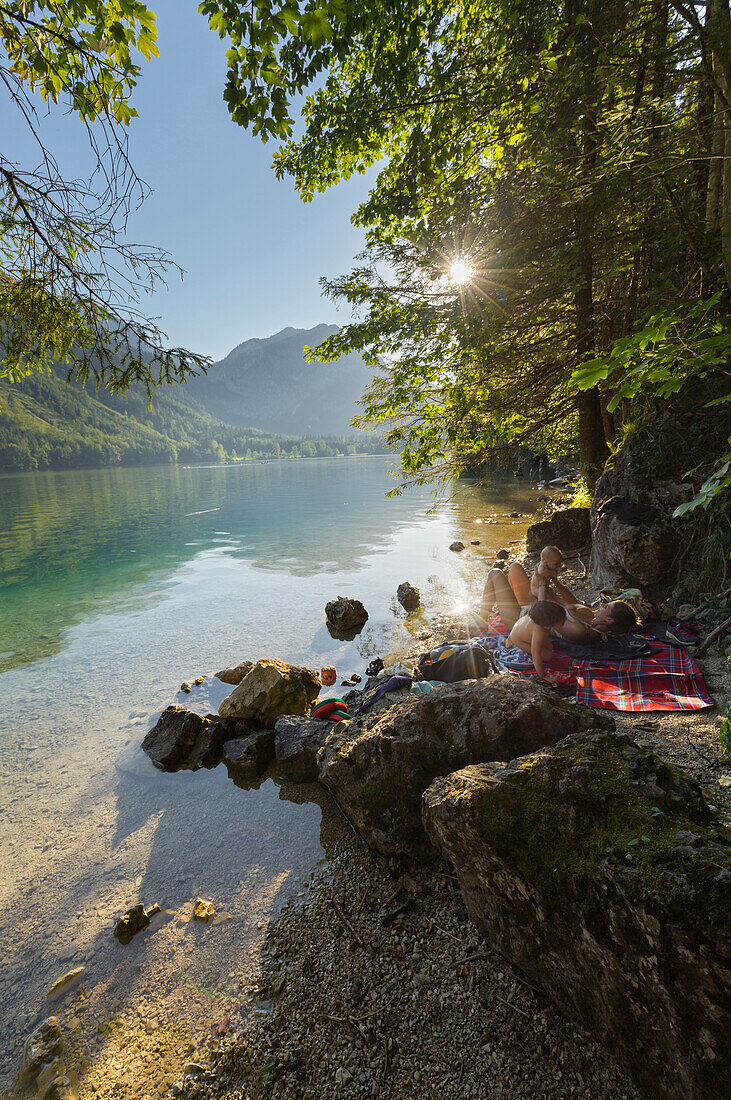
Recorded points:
669,679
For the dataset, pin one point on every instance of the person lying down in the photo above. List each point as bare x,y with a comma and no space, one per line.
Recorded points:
531,623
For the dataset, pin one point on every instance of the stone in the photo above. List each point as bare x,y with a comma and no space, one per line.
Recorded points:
568,529
247,757
236,673
502,555
65,980
456,546
378,765
183,739
296,744
203,910
408,596
271,688
344,615
42,1046
628,932
135,920
55,1086
635,538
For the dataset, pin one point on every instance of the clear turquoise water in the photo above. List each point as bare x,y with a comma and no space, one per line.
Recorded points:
116,585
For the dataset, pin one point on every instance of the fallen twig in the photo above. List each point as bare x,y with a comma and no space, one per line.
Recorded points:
713,635
703,756
511,1005
340,912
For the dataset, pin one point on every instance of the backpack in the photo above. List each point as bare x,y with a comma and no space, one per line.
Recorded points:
457,661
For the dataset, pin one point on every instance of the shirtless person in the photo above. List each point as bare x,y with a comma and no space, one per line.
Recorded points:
529,629
581,625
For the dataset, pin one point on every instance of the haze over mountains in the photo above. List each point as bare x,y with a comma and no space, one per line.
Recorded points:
267,384
258,402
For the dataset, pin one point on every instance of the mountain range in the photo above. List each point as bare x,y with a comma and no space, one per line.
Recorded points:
261,400
267,384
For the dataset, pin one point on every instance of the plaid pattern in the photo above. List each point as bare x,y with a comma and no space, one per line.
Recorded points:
669,679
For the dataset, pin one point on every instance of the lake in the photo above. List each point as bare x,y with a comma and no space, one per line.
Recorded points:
115,586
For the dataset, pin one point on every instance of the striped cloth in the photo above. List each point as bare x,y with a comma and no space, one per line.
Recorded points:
668,679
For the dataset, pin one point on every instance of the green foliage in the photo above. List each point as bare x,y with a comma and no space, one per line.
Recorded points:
69,283
268,1073
724,731
562,152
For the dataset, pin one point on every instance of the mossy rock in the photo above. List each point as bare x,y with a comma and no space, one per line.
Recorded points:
601,872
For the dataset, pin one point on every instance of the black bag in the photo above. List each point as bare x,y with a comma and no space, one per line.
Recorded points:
457,661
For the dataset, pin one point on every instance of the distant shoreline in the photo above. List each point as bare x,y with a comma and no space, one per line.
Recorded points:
7,471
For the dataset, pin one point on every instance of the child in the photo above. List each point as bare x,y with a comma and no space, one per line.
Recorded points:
546,573
531,634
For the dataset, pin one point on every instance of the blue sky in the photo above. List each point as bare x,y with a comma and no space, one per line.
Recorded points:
252,251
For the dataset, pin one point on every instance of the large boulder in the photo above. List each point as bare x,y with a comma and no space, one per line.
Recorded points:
297,742
635,538
183,739
271,688
379,765
568,529
345,616
598,870
247,757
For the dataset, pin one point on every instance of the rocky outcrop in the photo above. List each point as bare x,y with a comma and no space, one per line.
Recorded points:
635,538
270,689
247,757
599,871
345,616
297,742
183,739
236,673
568,529
378,766
408,596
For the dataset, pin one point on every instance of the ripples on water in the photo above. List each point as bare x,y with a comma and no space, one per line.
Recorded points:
115,585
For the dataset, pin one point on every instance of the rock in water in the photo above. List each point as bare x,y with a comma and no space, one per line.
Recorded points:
183,739
408,596
379,765
575,863
135,920
569,530
236,673
271,688
65,980
345,616
297,742
247,757
42,1046
203,910
456,546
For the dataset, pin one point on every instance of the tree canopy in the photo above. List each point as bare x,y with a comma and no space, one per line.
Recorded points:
575,161
70,283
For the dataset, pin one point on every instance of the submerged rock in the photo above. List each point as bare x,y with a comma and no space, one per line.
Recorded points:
42,1047
345,616
203,910
456,546
247,757
408,596
570,864
379,765
568,529
236,673
65,981
270,689
297,742
135,920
